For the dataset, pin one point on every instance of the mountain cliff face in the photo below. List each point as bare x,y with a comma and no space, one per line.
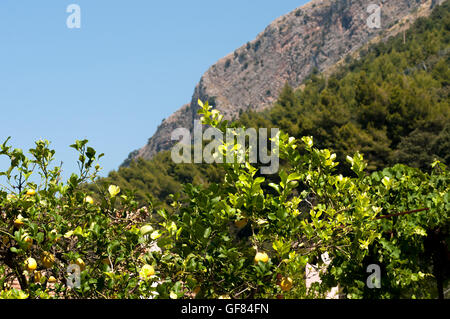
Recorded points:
315,36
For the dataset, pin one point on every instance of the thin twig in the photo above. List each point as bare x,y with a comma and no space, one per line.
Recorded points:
403,213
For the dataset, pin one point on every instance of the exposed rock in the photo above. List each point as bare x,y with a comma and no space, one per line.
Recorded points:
317,35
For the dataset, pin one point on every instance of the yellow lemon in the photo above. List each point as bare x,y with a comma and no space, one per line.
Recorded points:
286,284
28,240
31,264
38,276
48,259
31,192
80,262
173,295
146,271
261,257
51,279
19,221
89,200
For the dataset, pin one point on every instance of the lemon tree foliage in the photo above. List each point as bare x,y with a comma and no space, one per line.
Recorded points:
246,237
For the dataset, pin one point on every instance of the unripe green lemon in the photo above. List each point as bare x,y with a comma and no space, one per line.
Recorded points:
146,271
146,229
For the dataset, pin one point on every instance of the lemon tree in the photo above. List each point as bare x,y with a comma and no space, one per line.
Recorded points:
249,237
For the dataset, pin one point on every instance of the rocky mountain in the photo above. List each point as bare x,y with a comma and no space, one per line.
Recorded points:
317,35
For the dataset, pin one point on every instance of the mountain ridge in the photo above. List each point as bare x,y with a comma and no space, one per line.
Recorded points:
318,35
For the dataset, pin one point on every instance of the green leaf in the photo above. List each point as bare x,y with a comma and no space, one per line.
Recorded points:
40,237
275,187
90,153
259,180
155,235
293,177
207,232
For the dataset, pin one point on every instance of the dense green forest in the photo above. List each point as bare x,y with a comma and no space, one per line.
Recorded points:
391,104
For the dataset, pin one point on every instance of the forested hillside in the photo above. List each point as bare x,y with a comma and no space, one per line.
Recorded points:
317,35
391,104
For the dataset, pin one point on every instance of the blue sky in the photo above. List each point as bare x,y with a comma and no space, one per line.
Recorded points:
113,81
